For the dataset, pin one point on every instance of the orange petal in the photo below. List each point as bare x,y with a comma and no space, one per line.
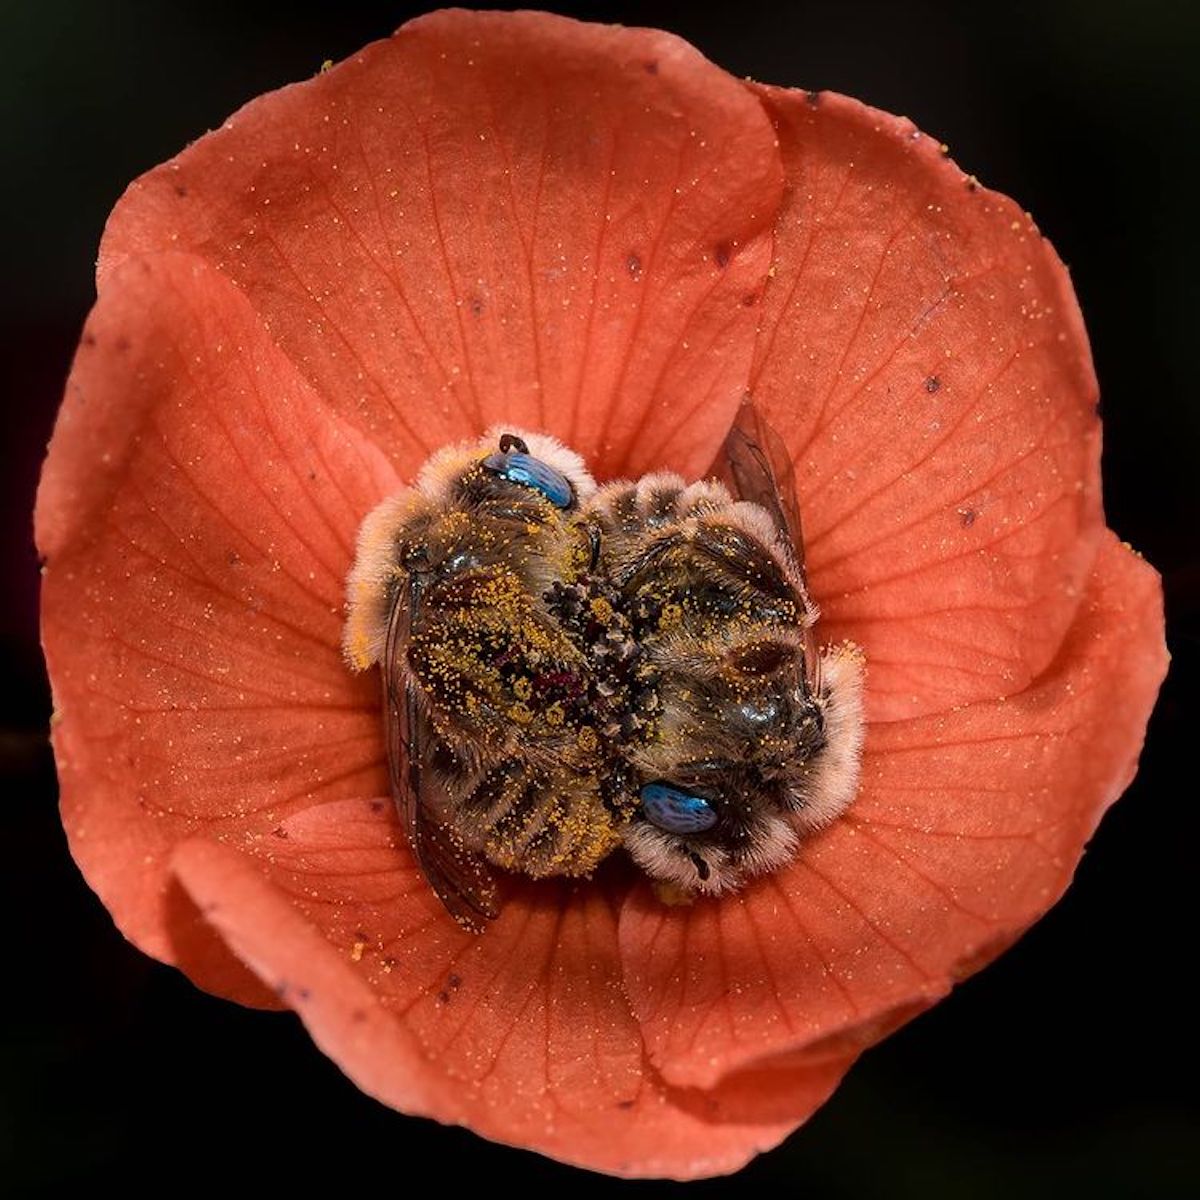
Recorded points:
522,1033
968,827
197,515
924,356
495,217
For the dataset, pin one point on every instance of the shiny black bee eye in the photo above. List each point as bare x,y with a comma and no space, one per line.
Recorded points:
517,465
677,810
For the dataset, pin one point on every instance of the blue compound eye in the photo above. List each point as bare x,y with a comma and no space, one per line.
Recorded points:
676,810
520,467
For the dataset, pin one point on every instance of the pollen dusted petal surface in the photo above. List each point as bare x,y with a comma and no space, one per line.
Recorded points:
495,217
197,515
969,825
523,1033
924,357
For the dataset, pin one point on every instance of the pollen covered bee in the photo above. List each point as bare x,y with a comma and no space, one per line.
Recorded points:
497,708
568,670
758,733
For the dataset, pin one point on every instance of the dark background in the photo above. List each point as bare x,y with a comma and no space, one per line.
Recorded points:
1067,1067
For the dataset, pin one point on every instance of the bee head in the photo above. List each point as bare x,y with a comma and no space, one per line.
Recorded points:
717,802
738,774
709,830
507,458
540,464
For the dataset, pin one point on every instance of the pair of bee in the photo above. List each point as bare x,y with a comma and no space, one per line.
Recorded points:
569,669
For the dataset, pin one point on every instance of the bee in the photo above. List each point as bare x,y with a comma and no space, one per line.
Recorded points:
757,732
502,664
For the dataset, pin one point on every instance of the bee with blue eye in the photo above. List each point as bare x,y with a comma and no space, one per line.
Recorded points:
758,731
498,703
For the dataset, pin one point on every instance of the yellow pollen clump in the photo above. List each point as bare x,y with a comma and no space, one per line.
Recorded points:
671,617
602,610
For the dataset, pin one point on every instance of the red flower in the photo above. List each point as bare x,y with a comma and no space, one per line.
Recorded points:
592,230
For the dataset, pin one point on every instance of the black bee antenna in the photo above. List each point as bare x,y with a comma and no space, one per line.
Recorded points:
510,441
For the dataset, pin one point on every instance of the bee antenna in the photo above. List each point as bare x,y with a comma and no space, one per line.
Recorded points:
510,441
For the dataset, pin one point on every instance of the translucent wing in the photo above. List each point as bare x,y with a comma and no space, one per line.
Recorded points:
756,465
460,877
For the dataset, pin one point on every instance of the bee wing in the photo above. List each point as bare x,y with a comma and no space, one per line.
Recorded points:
460,878
756,465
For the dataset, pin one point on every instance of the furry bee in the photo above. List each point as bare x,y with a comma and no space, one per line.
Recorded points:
502,666
757,734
